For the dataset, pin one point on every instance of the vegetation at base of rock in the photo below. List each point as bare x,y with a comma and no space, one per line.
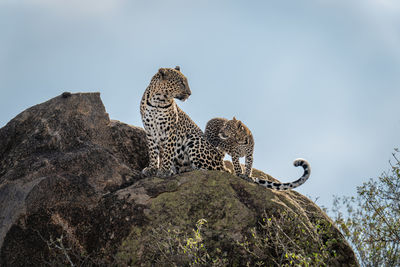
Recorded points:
174,247
281,240
371,221
284,240
64,253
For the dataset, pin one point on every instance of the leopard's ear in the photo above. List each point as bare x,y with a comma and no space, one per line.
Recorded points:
178,68
162,73
234,118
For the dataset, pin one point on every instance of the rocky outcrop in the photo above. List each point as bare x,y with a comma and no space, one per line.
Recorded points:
71,192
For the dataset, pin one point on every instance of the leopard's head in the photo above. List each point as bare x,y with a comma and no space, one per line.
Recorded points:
236,131
171,83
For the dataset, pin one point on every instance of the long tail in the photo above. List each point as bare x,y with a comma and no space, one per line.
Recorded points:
278,186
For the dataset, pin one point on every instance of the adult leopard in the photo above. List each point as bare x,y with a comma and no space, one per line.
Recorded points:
235,139
176,143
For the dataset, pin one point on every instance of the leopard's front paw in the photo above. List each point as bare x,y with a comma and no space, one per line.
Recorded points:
164,173
227,170
149,171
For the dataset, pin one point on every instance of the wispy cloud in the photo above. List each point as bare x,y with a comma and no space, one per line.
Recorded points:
75,7
381,17
384,17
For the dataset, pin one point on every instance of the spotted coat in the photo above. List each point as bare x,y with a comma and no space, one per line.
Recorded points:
176,143
235,139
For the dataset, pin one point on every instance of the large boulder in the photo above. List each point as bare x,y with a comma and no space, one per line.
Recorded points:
71,193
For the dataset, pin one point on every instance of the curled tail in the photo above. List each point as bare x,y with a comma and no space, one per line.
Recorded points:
278,186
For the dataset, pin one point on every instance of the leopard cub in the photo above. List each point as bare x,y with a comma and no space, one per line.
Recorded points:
235,139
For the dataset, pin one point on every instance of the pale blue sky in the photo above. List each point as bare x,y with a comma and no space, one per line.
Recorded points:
317,79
